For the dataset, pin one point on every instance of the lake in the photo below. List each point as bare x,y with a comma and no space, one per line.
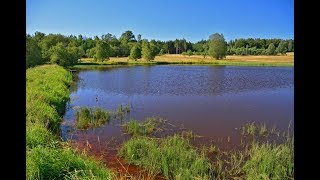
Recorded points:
212,101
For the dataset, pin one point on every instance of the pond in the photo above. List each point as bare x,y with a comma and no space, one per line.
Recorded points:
212,101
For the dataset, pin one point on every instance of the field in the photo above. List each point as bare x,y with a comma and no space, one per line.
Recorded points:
283,60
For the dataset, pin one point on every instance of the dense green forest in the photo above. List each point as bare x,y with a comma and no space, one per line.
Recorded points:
66,50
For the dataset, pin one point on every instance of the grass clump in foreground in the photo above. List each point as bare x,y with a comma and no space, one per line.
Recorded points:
86,117
50,163
270,161
46,95
172,156
146,127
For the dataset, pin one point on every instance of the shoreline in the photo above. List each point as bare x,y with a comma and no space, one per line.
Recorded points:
272,61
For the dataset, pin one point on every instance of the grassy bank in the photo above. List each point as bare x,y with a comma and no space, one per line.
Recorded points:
47,156
287,60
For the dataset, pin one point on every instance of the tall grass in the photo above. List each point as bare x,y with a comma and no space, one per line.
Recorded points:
249,129
121,111
148,126
86,117
270,161
46,95
172,156
49,163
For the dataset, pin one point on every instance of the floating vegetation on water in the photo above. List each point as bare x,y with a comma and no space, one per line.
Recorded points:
87,117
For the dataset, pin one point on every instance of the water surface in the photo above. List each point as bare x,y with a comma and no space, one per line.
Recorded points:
212,101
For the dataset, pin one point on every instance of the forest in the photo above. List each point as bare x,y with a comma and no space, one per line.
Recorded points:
65,50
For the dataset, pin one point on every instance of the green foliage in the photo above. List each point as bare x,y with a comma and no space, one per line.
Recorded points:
121,112
249,129
64,56
270,161
146,52
48,163
217,46
86,117
121,47
282,48
33,53
38,135
271,49
172,156
290,45
146,127
189,52
49,41
91,52
135,52
102,51
126,37
46,96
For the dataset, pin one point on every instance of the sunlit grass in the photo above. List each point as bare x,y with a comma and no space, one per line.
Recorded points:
270,161
172,156
50,163
121,111
46,96
87,117
145,127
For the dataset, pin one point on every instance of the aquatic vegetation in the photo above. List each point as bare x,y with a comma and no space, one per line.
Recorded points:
121,111
263,130
172,156
146,127
187,134
249,129
270,161
87,117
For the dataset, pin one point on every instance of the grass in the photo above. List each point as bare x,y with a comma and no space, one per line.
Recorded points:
121,111
257,160
86,117
172,156
146,127
197,59
263,130
46,96
38,135
49,163
249,129
270,161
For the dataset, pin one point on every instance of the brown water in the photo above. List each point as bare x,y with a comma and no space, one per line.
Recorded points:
212,101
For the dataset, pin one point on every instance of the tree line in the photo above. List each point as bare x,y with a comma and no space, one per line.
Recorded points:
67,50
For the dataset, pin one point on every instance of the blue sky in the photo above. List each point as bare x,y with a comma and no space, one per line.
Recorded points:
163,19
